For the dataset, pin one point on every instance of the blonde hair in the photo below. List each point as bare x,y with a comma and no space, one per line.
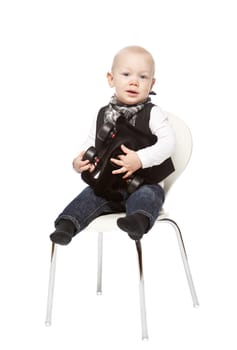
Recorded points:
133,49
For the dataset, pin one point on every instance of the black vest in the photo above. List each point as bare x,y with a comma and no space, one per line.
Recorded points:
134,137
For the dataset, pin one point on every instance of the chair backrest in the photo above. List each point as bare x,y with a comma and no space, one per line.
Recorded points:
183,149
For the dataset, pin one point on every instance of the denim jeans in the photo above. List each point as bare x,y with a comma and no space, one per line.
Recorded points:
147,200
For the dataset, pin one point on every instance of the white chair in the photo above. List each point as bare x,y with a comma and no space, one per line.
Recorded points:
107,222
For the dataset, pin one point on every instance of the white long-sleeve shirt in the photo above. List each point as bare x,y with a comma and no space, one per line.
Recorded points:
151,155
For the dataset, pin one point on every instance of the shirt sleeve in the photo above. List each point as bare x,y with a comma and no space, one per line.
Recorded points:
165,145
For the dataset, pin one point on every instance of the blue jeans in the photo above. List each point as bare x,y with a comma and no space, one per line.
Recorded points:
147,200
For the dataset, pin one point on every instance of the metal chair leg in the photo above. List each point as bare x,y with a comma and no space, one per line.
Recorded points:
185,260
99,264
142,292
51,285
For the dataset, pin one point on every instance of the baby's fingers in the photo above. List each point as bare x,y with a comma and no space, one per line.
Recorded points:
116,161
119,171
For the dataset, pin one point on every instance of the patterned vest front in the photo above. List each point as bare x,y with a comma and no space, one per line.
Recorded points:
103,182
141,129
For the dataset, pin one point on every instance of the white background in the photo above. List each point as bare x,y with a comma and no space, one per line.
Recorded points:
54,58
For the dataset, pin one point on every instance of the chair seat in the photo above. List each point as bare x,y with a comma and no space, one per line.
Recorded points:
105,223
108,222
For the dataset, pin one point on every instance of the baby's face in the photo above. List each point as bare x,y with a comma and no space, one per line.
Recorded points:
132,77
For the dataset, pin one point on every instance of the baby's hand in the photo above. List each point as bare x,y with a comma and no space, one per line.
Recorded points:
128,162
80,165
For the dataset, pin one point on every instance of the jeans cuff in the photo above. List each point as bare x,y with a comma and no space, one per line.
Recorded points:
70,218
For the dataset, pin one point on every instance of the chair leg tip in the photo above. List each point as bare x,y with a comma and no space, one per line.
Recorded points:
47,323
145,338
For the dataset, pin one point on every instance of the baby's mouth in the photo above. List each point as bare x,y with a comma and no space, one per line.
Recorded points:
132,92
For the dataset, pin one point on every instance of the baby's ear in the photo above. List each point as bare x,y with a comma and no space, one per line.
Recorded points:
110,79
153,83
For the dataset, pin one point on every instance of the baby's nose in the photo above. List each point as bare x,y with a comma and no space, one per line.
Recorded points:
134,82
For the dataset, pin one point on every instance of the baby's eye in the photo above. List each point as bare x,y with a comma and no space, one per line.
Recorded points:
125,74
143,77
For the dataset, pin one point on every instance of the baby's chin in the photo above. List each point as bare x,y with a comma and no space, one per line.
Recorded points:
131,100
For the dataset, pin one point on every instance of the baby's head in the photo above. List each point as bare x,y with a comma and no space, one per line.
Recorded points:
134,52
132,74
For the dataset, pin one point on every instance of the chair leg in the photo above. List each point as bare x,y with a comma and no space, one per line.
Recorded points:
99,263
51,285
142,292
185,260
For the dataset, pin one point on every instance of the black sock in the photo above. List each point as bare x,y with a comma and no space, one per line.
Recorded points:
135,225
64,231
